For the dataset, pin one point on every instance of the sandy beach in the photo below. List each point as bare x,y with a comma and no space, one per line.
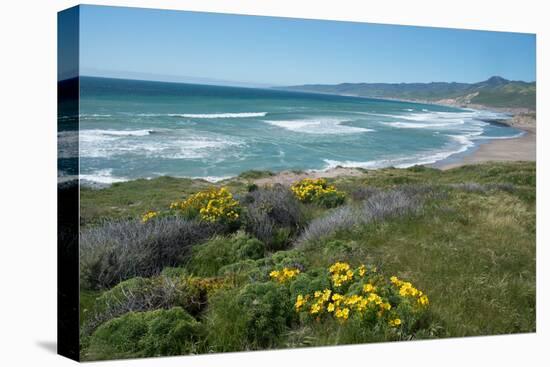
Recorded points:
523,148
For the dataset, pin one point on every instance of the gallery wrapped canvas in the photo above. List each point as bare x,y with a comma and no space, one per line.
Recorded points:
236,183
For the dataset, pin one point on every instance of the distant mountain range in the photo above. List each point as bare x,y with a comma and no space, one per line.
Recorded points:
493,92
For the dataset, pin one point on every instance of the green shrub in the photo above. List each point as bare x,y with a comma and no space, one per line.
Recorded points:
251,187
362,301
145,334
254,317
226,323
331,199
338,250
174,272
269,312
306,283
207,259
241,272
145,294
290,258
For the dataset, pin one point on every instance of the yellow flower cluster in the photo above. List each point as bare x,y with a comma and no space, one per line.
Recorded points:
309,189
149,215
321,297
340,305
212,205
406,289
341,273
368,293
282,276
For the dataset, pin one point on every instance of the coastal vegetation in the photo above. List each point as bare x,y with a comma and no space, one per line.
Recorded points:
493,92
177,266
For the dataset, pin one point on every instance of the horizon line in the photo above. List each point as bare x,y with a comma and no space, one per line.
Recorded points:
268,85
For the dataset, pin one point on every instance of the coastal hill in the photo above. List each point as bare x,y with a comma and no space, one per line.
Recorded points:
493,92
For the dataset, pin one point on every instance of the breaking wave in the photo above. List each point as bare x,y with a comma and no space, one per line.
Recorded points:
319,126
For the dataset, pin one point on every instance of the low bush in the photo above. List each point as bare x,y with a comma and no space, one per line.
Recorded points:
254,317
391,204
116,251
335,250
318,191
144,294
378,207
306,283
339,219
241,272
286,259
145,334
273,215
212,205
208,258
361,296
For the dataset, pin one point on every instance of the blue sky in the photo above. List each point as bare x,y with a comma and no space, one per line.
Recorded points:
190,46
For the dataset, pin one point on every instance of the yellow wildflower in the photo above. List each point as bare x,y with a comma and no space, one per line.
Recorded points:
395,322
423,300
368,288
300,301
342,314
149,215
212,204
284,275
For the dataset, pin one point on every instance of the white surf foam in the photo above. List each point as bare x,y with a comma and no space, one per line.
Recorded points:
96,132
420,125
102,176
228,115
320,126
94,116
176,145
485,137
464,143
470,120
213,178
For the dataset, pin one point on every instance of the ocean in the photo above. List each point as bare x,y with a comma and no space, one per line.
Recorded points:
141,129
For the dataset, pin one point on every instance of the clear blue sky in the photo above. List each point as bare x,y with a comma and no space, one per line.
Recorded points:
129,42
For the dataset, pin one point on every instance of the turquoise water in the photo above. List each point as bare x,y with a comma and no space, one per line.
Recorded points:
134,129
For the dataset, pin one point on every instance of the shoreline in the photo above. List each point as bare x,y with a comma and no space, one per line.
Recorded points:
522,148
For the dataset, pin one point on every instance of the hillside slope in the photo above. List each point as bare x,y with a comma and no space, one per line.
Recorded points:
494,92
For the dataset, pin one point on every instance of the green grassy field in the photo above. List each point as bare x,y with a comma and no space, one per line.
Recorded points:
470,245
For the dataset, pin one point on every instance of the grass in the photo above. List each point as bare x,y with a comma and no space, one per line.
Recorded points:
87,304
124,200
474,254
469,242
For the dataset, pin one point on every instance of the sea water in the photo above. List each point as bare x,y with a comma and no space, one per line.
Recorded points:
142,129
